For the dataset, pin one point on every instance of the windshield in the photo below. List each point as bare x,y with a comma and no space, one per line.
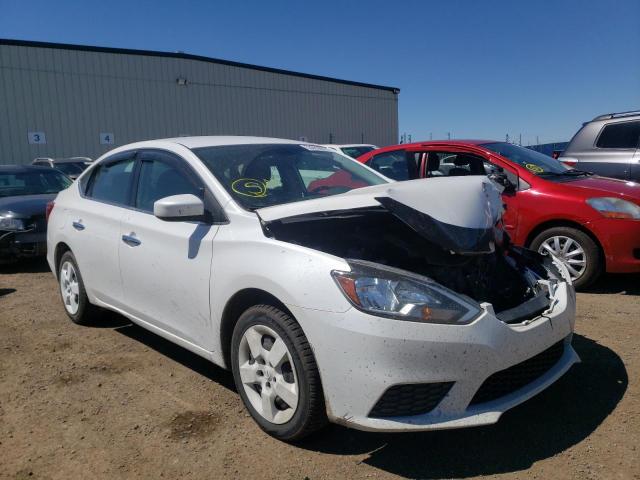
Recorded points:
535,162
32,183
71,168
260,176
355,152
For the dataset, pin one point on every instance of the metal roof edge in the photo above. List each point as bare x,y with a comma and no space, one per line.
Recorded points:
188,56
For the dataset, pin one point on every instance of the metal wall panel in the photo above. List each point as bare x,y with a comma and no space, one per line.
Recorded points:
74,95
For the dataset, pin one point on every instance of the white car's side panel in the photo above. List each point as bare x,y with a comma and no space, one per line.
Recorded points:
92,232
166,275
244,258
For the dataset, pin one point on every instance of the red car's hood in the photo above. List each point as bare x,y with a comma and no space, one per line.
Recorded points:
603,186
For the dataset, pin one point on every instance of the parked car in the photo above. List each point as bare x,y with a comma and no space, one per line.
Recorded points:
589,222
394,306
353,150
72,167
24,194
608,145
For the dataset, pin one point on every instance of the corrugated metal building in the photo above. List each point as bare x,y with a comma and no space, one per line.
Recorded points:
61,100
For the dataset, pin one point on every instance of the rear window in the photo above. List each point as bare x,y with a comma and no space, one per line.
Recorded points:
619,135
32,183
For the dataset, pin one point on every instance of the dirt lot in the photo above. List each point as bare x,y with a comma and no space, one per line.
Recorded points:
113,401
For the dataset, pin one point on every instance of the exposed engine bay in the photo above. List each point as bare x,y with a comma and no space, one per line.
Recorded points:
468,253
376,235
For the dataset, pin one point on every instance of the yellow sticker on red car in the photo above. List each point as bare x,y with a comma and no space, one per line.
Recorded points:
534,168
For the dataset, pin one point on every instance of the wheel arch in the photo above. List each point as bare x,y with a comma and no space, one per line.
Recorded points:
235,306
564,223
61,249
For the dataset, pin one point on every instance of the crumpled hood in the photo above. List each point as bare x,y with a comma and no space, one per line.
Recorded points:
457,213
25,206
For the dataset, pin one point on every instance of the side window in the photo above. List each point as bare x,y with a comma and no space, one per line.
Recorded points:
394,165
620,135
111,182
160,176
453,164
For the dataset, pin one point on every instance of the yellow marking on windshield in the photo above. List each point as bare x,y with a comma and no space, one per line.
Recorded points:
250,187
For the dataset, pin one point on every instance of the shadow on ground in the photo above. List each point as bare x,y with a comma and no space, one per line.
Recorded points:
30,265
176,353
561,416
6,291
625,284
558,418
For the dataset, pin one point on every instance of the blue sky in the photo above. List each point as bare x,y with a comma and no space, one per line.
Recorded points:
477,69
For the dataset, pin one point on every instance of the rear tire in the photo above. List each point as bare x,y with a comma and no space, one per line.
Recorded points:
575,249
270,355
72,291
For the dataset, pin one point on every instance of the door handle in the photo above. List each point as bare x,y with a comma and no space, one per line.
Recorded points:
78,225
131,240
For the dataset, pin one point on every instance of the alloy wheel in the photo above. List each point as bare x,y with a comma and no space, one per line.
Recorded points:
69,287
268,374
568,251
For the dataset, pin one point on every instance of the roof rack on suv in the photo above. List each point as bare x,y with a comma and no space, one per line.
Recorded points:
616,115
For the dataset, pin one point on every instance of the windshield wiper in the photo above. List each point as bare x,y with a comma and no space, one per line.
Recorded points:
576,172
569,173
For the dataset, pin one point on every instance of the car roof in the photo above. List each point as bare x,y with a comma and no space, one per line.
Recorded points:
431,143
615,115
347,145
216,140
70,160
23,168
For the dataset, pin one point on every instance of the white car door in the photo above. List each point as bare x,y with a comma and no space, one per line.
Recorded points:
94,226
166,265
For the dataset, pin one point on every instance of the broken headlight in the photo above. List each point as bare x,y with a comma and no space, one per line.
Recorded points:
393,293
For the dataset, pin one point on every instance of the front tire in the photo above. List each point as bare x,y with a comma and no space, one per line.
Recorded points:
575,249
276,374
73,293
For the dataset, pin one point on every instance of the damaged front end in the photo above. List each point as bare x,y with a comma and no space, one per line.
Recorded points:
431,251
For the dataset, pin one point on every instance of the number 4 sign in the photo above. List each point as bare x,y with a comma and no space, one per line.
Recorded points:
106,139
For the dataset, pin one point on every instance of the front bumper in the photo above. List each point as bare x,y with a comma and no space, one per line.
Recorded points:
15,245
361,356
620,241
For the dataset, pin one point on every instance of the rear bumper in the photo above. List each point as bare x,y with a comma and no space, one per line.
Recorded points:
620,240
15,245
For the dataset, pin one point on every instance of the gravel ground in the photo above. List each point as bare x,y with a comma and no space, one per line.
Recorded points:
114,401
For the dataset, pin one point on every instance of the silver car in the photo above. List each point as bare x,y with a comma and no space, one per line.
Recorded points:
608,145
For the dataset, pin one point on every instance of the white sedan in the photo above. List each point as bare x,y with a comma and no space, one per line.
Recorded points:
331,293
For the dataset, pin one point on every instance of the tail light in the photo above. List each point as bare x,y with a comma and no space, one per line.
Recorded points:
569,163
49,209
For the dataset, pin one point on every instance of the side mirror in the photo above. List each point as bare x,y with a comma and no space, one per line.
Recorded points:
179,208
501,179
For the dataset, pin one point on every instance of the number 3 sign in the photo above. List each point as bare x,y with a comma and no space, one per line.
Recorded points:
37,138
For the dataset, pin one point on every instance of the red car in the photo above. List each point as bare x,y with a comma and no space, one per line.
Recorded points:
591,223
